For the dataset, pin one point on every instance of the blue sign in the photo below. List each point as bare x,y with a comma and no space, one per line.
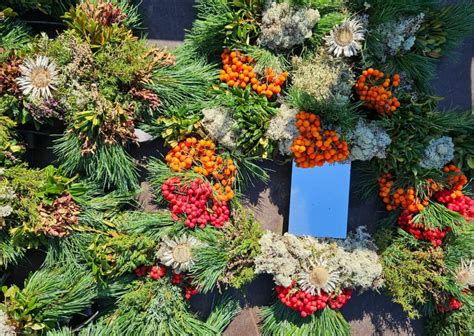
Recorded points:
319,202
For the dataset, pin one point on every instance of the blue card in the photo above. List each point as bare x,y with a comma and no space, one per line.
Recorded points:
319,201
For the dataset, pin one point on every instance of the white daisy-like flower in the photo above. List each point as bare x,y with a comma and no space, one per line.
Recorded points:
345,38
177,252
317,277
465,273
38,77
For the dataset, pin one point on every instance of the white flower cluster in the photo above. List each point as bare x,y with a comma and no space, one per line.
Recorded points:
6,194
355,259
5,328
438,153
368,140
283,26
283,129
400,35
219,124
323,77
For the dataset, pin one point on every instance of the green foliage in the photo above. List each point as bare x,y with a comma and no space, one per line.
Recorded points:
228,256
222,23
344,117
278,320
50,297
158,308
444,27
10,148
454,323
92,31
252,114
118,254
9,253
13,36
437,216
186,81
51,7
411,129
110,166
412,275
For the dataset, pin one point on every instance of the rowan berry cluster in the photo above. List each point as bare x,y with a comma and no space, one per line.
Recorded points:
193,200
314,146
238,71
456,201
373,88
306,303
405,198
201,157
420,231
179,279
452,304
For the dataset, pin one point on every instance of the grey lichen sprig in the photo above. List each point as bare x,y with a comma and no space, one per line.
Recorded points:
439,152
284,26
283,128
220,126
368,140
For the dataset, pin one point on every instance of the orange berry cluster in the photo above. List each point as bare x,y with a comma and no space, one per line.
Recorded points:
200,155
375,91
314,147
405,198
238,71
456,179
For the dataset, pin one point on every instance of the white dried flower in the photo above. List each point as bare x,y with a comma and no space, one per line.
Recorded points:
368,140
284,27
6,329
283,129
465,274
345,39
38,77
5,211
220,126
177,253
318,277
438,153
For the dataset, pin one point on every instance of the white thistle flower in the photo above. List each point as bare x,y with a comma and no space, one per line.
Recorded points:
465,273
318,277
345,38
177,253
38,77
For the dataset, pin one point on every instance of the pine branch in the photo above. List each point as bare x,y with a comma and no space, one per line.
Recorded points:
280,320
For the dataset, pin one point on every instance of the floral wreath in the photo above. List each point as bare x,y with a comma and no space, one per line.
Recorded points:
317,82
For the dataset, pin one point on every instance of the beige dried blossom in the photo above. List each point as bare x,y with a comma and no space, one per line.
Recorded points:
323,77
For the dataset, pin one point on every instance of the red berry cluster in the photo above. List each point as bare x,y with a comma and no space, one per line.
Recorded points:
158,271
455,200
306,303
193,200
419,231
338,301
186,283
453,304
